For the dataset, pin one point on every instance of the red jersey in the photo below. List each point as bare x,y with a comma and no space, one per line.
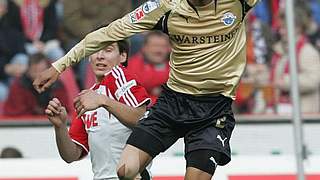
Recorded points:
99,131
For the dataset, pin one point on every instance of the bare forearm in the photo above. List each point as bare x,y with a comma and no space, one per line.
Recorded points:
68,150
127,115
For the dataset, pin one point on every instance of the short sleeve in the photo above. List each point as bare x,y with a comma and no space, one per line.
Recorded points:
78,134
125,88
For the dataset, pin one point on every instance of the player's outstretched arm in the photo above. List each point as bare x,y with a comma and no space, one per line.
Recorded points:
128,25
57,115
90,100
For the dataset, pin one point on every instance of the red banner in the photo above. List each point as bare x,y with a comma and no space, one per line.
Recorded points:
272,177
168,178
61,178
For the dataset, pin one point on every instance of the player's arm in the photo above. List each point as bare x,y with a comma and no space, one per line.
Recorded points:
90,100
57,115
127,115
140,20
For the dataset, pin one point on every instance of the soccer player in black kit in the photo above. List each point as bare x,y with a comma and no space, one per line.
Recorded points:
207,60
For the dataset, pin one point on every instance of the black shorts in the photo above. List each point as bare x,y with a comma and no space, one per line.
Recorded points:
205,122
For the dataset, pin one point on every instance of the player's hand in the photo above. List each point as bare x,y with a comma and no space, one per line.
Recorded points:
87,100
45,79
56,113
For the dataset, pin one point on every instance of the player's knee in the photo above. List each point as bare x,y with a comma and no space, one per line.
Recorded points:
126,173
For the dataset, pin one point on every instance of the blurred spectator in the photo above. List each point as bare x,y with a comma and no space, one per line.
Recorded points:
59,11
312,8
251,97
136,39
136,3
13,61
312,28
37,19
308,61
23,98
10,152
151,65
315,8
83,16
262,11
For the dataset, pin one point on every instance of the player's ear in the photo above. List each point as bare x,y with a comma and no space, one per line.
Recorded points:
123,57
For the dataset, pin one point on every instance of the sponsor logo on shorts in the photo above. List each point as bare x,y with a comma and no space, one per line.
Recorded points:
228,19
220,123
222,140
214,162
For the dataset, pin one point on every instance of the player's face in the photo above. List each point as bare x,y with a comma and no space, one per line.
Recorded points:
104,60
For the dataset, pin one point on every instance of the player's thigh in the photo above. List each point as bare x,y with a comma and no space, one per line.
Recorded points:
213,137
158,130
133,160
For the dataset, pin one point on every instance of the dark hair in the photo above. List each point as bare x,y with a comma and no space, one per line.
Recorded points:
37,58
123,46
302,17
10,152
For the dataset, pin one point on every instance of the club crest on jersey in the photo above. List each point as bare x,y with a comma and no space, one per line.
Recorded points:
228,19
150,6
141,11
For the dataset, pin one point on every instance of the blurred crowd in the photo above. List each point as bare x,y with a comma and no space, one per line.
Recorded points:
265,87
34,33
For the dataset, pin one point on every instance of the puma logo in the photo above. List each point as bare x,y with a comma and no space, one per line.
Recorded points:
222,140
214,162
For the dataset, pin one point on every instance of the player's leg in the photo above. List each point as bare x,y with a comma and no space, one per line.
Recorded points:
207,141
141,148
194,173
201,164
150,137
132,162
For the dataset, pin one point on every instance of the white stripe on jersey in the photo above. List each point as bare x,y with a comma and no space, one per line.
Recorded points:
78,143
93,86
121,84
118,86
129,90
123,81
